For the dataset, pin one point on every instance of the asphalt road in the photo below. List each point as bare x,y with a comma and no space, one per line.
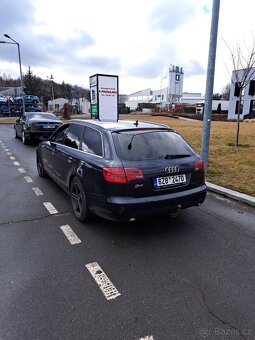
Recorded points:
191,277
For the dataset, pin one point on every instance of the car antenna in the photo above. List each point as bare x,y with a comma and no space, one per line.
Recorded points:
136,123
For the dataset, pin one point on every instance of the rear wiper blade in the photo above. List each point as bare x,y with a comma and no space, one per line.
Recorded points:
177,156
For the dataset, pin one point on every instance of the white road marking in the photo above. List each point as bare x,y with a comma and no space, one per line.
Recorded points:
71,236
6,150
16,163
50,208
37,191
9,154
12,158
147,337
106,286
28,179
21,170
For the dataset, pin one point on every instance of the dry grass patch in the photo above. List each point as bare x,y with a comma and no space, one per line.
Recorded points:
8,120
231,167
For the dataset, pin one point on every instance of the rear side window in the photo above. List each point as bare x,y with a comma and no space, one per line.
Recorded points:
92,142
73,136
59,135
140,145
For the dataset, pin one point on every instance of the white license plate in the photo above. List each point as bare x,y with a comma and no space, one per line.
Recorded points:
49,126
169,180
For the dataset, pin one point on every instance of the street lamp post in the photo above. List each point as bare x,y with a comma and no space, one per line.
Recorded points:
209,83
20,70
161,93
52,91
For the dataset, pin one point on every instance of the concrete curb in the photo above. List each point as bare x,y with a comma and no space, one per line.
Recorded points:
231,194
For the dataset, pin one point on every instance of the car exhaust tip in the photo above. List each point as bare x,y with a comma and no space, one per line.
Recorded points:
132,219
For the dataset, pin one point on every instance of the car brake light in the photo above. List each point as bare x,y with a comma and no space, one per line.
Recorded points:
114,175
133,173
122,175
199,165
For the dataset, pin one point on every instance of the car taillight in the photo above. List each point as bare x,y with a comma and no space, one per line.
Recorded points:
199,165
122,175
133,173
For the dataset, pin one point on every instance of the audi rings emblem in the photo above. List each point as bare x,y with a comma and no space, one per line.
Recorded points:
172,169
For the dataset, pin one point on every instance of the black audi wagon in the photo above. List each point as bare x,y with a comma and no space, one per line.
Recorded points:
122,170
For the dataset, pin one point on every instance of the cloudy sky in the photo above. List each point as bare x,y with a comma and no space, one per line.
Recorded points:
136,39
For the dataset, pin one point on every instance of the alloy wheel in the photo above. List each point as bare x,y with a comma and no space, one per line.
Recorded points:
78,200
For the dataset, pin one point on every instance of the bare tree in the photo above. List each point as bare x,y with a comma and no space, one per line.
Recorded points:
243,72
225,93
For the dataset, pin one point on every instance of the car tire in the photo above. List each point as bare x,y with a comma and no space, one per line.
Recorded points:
40,167
23,137
79,201
16,135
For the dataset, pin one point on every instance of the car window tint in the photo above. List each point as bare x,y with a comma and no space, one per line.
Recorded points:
92,142
73,136
60,134
49,116
140,145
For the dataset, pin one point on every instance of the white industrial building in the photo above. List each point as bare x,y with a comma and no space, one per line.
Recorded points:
191,98
164,97
147,96
248,96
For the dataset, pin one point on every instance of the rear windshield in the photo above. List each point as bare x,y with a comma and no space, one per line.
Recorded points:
142,145
38,115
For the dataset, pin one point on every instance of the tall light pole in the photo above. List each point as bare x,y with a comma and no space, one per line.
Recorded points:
161,92
52,91
209,83
20,70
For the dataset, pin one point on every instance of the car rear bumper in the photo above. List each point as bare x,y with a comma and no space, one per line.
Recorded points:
126,208
38,134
